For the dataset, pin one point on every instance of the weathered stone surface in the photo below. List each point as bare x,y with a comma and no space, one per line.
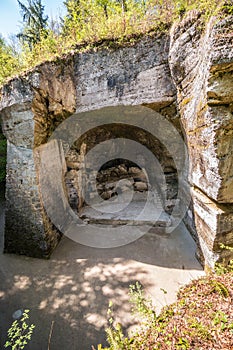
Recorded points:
221,56
190,70
18,91
54,97
215,226
26,231
28,105
117,213
211,150
122,76
18,125
202,69
205,98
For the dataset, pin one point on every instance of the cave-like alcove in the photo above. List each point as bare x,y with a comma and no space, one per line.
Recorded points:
119,177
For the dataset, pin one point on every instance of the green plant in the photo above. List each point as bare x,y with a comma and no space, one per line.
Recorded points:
223,267
220,318
182,344
190,323
19,333
227,7
115,335
220,288
9,61
142,304
35,23
197,329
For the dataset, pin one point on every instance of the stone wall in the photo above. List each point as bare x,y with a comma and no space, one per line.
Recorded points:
27,230
185,75
202,69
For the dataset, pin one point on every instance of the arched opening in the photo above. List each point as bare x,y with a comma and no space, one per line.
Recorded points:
136,180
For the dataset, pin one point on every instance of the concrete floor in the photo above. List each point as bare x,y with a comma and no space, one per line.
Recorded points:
74,287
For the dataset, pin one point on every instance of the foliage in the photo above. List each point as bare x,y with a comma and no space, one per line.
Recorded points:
115,335
227,7
202,318
35,23
9,62
224,267
88,22
142,304
94,20
19,333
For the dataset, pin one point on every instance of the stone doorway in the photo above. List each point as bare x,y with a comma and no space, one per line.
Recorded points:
122,185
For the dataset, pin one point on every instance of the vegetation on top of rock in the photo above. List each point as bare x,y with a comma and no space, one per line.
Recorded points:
89,21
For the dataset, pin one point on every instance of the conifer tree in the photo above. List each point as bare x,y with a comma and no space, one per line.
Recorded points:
34,21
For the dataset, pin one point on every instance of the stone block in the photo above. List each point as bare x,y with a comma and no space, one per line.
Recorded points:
214,225
26,231
211,154
140,186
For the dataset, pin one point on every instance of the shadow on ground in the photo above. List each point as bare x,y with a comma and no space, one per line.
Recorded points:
74,287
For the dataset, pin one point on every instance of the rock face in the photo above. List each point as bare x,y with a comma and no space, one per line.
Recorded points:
202,69
185,76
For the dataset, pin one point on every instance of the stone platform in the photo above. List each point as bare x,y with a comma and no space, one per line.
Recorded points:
142,210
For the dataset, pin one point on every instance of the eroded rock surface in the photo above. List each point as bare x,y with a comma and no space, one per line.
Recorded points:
186,76
202,68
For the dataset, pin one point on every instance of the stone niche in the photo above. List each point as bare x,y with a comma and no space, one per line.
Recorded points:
185,76
111,172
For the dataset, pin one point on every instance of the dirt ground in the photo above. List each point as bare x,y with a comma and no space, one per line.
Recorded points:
73,288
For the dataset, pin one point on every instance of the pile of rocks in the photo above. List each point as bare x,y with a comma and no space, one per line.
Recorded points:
115,180
112,180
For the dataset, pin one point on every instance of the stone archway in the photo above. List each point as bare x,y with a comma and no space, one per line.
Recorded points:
155,72
119,168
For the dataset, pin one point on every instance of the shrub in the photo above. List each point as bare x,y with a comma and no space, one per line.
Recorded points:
19,333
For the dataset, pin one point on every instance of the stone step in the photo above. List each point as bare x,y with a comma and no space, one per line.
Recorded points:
117,222
133,215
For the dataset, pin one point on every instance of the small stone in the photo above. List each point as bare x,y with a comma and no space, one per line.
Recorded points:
106,195
140,186
73,165
110,185
122,169
17,314
134,171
